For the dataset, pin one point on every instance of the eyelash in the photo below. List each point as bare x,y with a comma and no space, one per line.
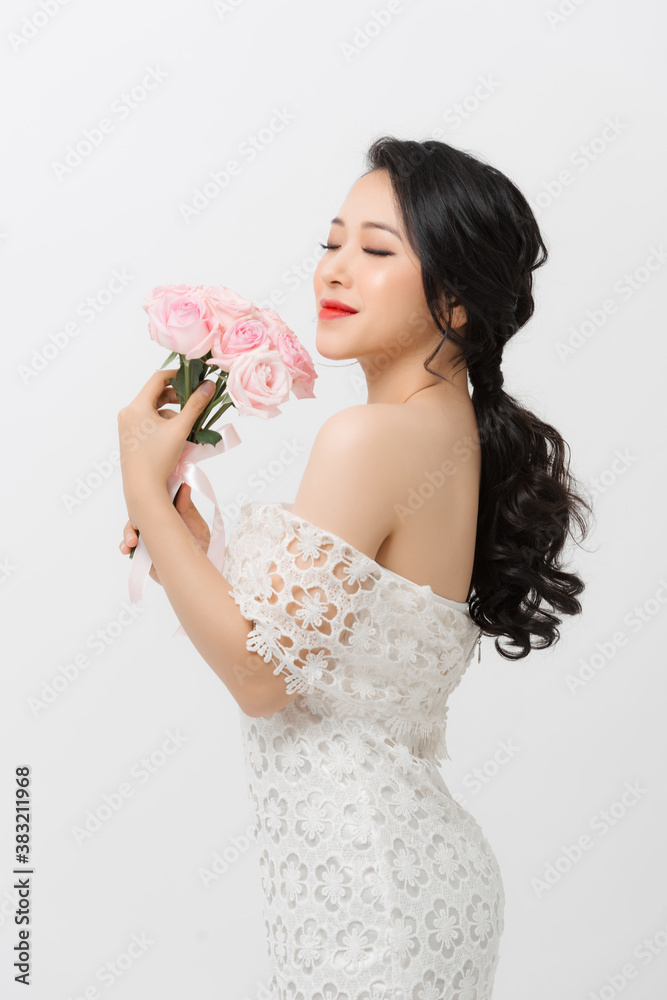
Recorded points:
376,253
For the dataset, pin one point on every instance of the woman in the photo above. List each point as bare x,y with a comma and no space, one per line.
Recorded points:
341,624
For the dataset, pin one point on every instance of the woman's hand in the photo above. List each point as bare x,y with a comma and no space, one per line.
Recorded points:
191,516
151,440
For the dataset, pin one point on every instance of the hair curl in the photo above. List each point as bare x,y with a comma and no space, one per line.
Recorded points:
478,244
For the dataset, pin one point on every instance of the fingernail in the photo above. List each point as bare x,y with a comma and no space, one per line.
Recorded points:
129,538
207,388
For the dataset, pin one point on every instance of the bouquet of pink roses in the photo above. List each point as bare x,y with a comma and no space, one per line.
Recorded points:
256,360
212,329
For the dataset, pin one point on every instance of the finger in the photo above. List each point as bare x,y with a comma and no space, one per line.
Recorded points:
196,403
129,537
148,396
156,385
184,495
168,395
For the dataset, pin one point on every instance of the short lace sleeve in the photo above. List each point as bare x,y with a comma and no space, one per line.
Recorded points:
342,629
307,596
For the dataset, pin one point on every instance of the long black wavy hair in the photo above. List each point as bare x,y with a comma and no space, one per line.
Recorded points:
478,244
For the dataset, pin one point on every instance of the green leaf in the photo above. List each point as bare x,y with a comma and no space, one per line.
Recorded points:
197,372
174,354
178,384
207,437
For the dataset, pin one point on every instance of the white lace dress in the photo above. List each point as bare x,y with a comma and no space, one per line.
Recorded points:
377,884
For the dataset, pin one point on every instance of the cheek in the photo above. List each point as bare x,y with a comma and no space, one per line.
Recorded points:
394,293
401,311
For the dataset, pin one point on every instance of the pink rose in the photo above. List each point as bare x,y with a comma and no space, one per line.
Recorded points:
225,305
180,320
258,382
244,335
300,364
275,324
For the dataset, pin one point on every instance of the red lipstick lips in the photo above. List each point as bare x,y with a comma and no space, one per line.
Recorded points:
335,309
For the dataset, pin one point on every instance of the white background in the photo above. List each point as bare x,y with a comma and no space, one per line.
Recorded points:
522,87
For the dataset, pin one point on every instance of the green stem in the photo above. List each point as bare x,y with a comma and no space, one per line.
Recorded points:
214,416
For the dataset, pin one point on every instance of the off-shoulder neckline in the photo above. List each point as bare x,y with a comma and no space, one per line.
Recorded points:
456,606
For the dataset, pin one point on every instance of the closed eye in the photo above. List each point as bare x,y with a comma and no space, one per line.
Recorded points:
377,253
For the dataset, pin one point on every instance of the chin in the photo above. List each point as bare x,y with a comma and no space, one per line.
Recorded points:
332,348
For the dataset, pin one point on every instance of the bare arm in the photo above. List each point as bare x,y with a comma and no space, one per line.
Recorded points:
193,520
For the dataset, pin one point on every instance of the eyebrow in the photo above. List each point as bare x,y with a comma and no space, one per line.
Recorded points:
369,225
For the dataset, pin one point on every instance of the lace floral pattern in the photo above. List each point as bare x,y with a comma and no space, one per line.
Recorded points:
377,884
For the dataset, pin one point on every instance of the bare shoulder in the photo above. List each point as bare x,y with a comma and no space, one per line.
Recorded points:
353,475
368,460
369,419
368,430
406,434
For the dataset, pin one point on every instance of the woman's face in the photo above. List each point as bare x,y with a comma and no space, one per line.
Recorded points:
385,287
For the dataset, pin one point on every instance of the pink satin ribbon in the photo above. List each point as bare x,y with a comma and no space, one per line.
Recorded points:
186,471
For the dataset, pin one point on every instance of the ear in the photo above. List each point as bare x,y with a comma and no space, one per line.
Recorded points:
459,316
457,312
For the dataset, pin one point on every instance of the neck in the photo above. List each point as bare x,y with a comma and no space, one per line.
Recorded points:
401,382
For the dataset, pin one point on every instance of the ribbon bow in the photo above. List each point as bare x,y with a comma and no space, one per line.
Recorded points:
186,471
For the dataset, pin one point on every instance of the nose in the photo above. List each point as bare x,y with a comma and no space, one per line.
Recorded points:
332,269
